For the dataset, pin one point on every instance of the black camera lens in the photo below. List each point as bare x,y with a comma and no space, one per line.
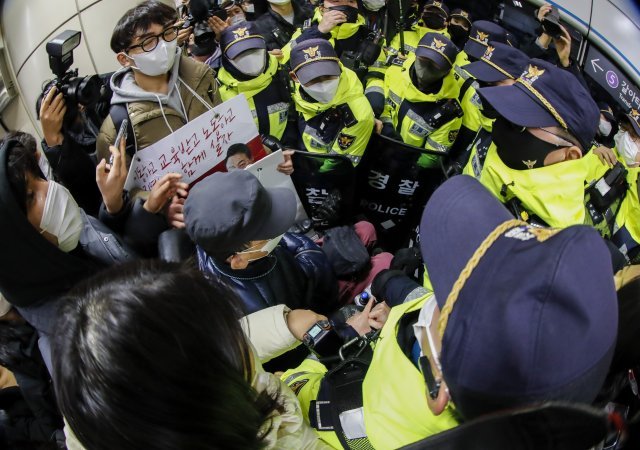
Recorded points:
84,91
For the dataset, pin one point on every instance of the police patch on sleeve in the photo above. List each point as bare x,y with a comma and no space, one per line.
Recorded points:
453,135
297,386
345,141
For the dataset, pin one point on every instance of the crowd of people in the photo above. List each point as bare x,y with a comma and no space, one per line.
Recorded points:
206,316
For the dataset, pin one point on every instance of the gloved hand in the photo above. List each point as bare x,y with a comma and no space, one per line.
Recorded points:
379,283
407,260
328,212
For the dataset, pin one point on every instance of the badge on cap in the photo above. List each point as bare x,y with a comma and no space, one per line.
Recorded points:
438,4
532,74
482,37
239,33
488,53
530,164
312,52
438,45
464,14
635,115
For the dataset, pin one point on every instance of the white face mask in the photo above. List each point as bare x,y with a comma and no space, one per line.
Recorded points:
323,91
279,2
61,217
248,7
268,247
158,61
237,19
250,62
627,148
373,5
604,127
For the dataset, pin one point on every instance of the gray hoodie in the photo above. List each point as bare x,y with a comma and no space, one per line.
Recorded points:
125,89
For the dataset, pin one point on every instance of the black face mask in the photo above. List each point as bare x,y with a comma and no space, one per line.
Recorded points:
517,148
433,21
349,11
427,73
459,35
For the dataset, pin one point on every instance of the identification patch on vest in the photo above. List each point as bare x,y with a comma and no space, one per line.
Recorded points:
418,130
297,386
345,140
475,100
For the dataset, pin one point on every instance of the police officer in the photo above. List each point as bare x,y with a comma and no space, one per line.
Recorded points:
626,232
500,65
482,32
546,122
334,115
422,98
417,375
459,26
281,20
247,68
608,127
436,14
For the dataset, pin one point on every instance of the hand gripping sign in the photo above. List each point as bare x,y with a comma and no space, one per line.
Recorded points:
198,148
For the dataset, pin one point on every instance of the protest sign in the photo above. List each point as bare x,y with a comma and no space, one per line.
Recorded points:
198,148
266,170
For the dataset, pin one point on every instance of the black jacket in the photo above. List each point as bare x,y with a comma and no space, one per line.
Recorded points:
277,31
297,273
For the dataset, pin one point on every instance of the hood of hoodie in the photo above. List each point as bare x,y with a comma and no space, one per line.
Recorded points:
349,88
31,268
249,87
126,90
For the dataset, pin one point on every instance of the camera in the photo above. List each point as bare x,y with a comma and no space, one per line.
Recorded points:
199,12
76,90
551,23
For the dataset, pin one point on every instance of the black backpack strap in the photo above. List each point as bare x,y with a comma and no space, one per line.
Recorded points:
118,113
465,87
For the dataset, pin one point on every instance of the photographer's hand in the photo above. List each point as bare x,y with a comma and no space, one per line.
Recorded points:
360,321
183,34
52,111
330,20
563,47
111,178
217,25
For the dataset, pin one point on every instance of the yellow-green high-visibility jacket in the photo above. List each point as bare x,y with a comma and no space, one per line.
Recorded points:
460,74
626,232
267,95
554,193
394,392
332,137
429,121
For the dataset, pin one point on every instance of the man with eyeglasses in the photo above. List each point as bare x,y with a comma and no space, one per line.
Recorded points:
160,89
545,124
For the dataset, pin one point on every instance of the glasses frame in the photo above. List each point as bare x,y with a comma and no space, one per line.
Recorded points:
157,37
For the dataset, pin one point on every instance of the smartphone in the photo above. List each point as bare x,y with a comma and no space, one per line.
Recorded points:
551,23
122,134
432,385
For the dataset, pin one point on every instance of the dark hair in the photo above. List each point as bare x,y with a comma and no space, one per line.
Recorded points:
236,149
138,19
21,161
151,355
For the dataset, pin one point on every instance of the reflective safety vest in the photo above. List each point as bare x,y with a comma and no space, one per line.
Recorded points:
554,193
479,149
343,126
626,232
473,118
268,97
412,38
394,391
429,121
460,74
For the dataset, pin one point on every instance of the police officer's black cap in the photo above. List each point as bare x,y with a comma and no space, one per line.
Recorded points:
546,96
239,38
527,314
227,210
462,14
634,118
437,48
482,32
314,58
499,62
606,111
437,5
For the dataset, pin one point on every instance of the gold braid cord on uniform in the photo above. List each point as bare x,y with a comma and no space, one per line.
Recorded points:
469,268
